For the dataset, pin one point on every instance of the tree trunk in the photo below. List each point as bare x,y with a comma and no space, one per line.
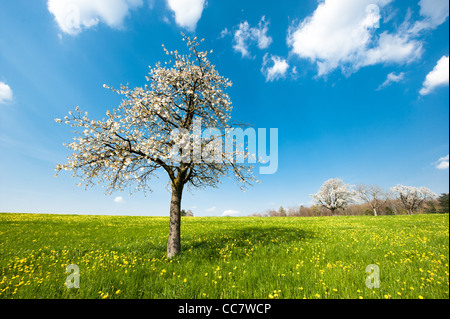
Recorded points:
174,243
375,212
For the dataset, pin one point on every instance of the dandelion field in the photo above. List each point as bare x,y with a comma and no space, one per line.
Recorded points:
245,257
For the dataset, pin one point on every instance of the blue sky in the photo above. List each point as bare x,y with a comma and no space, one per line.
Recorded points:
357,89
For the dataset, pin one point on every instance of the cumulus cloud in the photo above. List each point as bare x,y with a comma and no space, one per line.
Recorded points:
343,34
437,77
434,13
245,36
6,94
230,212
396,48
392,78
119,200
187,12
73,16
443,163
274,67
435,10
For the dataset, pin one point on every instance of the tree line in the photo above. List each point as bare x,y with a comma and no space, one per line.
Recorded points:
337,198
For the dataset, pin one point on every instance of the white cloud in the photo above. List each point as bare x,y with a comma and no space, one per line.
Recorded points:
392,78
294,73
73,16
342,34
443,163
437,77
391,48
187,12
277,70
435,12
260,34
230,212
225,32
211,209
245,35
119,199
6,94
241,39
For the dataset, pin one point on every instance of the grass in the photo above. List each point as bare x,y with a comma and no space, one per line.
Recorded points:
248,257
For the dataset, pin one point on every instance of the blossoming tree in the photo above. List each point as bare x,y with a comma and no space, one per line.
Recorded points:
412,198
141,136
373,195
334,194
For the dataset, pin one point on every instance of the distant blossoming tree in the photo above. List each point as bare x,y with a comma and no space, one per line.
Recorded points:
142,135
334,194
372,195
412,198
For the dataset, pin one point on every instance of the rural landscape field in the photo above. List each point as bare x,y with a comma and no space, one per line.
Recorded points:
220,157
246,257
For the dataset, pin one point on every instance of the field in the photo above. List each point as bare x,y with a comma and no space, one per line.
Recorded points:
248,257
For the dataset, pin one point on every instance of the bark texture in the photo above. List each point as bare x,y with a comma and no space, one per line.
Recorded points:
174,243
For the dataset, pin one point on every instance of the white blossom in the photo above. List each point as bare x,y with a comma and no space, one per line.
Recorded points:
412,198
334,194
134,141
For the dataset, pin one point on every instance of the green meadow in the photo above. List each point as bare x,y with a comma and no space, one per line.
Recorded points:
242,257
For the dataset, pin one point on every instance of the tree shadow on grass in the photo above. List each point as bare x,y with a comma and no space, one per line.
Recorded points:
238,243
